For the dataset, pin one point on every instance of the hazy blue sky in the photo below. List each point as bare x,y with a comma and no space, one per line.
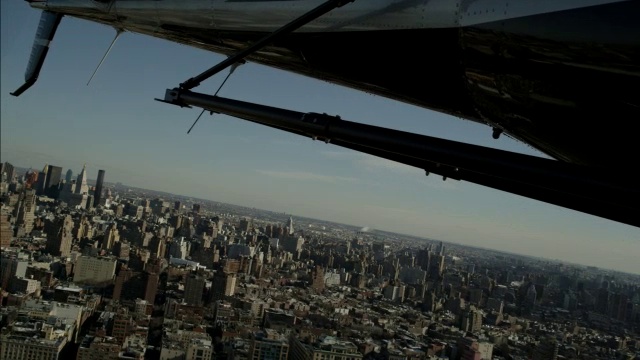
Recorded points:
114,124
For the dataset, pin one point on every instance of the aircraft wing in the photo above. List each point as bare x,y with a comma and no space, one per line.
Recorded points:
481,68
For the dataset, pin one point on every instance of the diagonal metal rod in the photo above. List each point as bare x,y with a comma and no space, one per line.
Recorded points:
219,87
286,29
194,123
118,33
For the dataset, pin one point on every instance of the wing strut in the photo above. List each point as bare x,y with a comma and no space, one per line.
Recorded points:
286,29
610,193
47,27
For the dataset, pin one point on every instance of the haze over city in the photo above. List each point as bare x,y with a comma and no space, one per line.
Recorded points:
114,124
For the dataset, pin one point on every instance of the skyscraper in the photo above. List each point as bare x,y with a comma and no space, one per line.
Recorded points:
59,235
111,236
81,182
97,195
69,176
26,211
81,191
290,225
196,208
54,174
42,181
8,172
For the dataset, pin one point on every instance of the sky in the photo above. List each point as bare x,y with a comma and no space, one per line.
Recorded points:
114,124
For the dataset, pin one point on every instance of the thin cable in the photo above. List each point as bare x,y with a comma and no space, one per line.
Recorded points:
220,87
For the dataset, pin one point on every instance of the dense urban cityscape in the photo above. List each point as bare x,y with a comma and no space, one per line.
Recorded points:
97,270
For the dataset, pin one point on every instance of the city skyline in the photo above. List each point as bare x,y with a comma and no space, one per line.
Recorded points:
369,229
115,125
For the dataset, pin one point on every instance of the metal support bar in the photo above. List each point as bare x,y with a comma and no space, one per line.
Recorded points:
286,29
612,195
621,213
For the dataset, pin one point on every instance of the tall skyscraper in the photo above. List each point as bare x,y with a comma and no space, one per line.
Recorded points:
26,211
54,174
78,198
8,172
69,176
89,202
67,191
97,195
424,259
42,180
290,225
81,182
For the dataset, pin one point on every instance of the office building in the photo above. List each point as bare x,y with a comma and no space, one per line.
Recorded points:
268,345
59,235
25,286
52,181
38,341
8,172
81,182
6,230
99,348
69,176
97,194
42,181
94,270
26,210
290,230
327,347
193,289
471,321
223,284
